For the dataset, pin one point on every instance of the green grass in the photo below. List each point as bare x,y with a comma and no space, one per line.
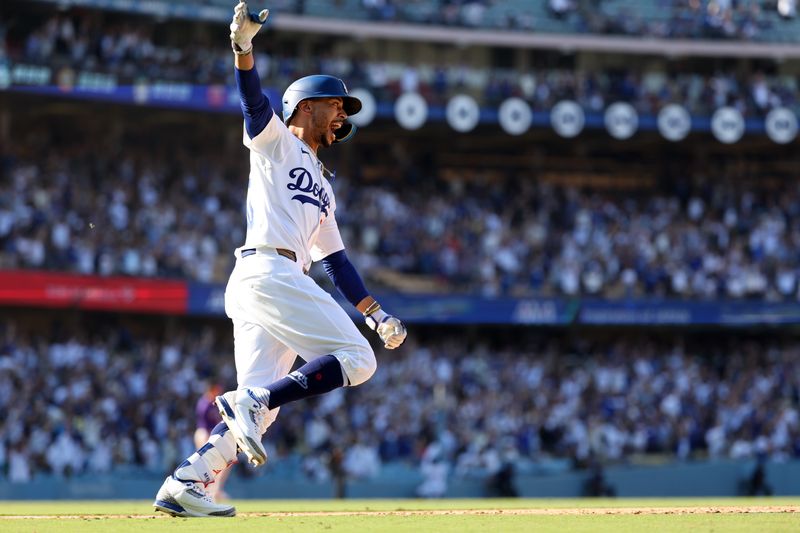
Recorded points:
138,516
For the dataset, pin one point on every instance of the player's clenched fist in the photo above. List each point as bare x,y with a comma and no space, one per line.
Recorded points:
244,27
391,331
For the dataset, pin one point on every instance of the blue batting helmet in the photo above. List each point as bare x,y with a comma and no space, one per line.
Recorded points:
321,86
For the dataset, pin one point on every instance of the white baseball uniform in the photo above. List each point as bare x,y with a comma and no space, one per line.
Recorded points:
278,311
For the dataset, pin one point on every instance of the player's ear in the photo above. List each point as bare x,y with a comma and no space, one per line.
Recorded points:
305,106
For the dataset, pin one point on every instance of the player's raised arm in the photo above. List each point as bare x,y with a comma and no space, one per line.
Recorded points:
255,105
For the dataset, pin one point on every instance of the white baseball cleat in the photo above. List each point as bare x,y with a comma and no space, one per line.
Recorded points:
244,412
188,499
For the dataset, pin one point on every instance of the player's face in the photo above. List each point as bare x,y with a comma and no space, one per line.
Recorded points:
327,116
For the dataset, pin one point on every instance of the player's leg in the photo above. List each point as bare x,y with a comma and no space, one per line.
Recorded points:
318,329
260,358
183,493
217,454
315,326
215,489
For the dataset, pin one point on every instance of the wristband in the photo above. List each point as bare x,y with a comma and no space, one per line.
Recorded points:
375,318
238,51
372,308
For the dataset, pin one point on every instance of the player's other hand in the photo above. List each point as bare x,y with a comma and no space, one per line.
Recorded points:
391,331
244,27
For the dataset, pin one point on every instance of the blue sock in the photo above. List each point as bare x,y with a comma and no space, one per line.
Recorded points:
319,376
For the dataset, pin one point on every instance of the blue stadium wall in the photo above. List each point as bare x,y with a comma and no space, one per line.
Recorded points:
707,479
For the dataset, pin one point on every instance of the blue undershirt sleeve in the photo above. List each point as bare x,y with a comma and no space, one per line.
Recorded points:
255,105
344,276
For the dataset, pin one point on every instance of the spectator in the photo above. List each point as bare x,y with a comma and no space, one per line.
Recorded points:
434,469
546,399
126,52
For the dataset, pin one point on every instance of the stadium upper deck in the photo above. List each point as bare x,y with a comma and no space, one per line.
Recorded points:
772,21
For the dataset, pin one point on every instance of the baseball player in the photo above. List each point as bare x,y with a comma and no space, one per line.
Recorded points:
278,312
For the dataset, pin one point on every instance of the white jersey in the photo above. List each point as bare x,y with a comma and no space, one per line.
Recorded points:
290,204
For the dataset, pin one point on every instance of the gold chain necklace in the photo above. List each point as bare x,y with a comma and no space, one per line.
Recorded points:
325,172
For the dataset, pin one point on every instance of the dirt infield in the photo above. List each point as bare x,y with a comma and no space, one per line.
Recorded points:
732,509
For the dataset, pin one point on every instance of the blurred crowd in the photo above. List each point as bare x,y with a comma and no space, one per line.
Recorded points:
521,237
113,399
694,19
100,398
709,19
178,213
129,51
126,48
743,20
137,213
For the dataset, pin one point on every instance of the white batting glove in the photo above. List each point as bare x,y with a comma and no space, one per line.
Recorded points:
391,331
244,27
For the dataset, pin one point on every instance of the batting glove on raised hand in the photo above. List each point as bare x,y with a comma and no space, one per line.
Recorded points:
244,27
391,331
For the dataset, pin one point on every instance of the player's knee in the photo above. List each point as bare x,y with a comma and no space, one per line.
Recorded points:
362,373
358,365
367,369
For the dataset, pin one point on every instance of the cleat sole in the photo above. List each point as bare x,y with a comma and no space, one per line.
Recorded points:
257,458
170,508
173,509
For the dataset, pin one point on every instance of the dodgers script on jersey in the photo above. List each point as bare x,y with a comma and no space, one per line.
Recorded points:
290,204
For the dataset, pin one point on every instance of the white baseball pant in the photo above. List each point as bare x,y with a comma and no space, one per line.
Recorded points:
278,312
